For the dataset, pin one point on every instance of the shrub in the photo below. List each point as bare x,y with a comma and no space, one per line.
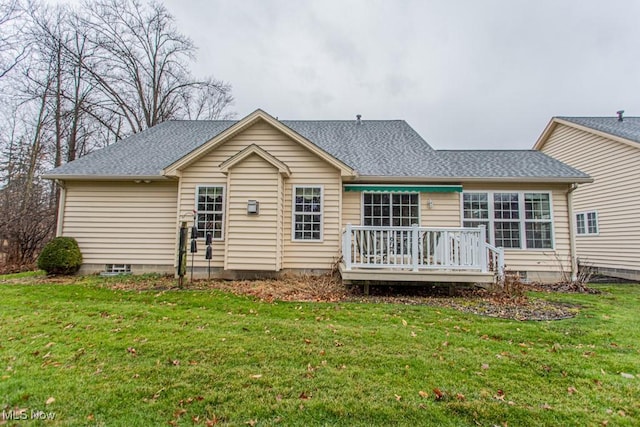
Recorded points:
60,256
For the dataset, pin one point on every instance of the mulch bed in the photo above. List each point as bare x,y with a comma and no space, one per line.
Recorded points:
329,289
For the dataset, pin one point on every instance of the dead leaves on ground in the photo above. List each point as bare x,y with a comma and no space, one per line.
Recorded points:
196,419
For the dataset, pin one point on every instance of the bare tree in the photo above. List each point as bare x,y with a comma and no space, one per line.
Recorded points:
27,219
12,50
76,79
140,63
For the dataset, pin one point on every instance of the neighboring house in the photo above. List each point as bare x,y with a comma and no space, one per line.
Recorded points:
607,211
369,195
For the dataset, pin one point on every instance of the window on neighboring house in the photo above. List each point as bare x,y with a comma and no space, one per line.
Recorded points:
391,209
513,220
587,223
210,211
307,213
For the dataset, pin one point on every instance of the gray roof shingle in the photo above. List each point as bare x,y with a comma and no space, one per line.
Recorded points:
506,164
628,128
146,153
372,148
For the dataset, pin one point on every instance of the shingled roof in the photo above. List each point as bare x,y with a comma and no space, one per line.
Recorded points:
628,128
380,148
506,164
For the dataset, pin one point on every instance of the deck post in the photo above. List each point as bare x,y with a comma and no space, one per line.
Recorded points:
346,247
415,236
484,262
446,254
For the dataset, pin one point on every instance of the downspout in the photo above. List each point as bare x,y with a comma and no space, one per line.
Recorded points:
61,203
572,236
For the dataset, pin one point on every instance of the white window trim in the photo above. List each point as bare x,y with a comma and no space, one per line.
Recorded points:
586,223
224,210
522,220
293,214
390,192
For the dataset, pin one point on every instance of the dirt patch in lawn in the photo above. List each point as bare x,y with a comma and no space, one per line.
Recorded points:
330,289
470,300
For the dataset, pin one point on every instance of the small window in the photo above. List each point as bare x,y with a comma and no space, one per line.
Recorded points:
307,213
116,269
210,211
580,223
587,223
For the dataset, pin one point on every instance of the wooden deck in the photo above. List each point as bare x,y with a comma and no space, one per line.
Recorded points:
419,254
424,276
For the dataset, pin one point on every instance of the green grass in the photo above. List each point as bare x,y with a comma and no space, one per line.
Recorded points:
22,275
123,358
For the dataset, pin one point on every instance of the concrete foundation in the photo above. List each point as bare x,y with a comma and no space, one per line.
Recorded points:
620,273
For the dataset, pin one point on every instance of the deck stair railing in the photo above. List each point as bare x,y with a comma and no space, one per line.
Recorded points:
420,248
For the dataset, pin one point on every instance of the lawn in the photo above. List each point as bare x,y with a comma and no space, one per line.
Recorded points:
90,354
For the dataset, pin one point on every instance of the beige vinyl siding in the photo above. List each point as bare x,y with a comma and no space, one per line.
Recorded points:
541,260
351,208
251,240
306,169
614,194
122,222
445,211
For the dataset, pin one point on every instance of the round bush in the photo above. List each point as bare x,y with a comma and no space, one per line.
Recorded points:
60,256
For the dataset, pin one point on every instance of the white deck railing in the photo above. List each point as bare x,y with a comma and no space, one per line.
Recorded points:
420,248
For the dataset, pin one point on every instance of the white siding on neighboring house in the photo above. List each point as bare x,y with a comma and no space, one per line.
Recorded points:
614,194
122,222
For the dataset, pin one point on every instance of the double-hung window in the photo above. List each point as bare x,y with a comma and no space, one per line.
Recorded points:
587,223
307,213
513,220
537,216
391,209
210,210
507,220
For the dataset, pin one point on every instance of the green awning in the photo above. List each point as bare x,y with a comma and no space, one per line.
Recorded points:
404,188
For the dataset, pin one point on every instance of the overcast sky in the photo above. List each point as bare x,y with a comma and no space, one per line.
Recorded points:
464,74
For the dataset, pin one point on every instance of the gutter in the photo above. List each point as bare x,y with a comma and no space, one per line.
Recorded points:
106,177
572,229
61,204
458,179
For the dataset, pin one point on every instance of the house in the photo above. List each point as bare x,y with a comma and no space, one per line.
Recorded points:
370,196
606,211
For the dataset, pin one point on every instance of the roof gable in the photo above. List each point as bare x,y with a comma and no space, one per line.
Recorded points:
251,150
626,131
250,120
